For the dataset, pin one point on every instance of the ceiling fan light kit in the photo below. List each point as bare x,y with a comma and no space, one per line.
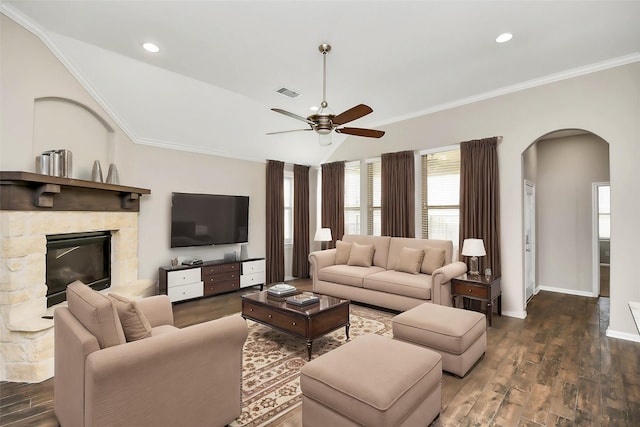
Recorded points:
325,123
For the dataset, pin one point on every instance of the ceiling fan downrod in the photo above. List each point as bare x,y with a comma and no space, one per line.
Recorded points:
325,49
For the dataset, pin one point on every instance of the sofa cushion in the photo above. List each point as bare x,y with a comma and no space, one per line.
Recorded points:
410,260
396,282
343,249
433,259
361,255
397,243
96,313
381,244
134,323
346,275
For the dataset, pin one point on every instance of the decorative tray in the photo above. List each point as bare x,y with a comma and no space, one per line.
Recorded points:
304,298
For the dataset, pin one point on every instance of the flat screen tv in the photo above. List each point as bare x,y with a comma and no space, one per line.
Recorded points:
208,219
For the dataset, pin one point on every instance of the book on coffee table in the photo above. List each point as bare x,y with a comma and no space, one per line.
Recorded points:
281,290
304,298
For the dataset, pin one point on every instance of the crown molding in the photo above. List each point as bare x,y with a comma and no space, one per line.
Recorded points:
192,149
551,78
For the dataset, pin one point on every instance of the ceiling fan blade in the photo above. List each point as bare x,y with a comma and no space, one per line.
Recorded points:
295,116
351,114
369,133
287,131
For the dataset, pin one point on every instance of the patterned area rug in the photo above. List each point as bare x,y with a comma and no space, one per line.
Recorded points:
272,361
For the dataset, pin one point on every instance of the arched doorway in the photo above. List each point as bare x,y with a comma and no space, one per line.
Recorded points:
562,167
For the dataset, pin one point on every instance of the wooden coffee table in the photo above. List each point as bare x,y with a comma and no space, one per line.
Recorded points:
309,322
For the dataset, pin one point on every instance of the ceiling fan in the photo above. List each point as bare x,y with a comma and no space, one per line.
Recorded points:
324,122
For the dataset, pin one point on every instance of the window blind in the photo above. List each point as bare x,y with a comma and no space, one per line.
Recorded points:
374,197
352,198
441,195
288,209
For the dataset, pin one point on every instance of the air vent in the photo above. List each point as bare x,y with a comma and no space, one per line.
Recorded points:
288,92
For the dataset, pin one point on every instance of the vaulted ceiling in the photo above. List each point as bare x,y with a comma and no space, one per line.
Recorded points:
211,86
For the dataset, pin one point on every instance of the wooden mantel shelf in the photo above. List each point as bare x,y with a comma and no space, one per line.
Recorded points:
27,191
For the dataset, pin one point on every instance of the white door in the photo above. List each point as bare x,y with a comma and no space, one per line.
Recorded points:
529,239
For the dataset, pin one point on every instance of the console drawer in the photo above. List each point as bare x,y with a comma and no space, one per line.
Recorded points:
464,289
183,277
222,268
250,267
182,292
252,279
212,288
288,322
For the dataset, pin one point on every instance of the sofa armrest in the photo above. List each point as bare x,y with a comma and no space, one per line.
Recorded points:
441,282
321,259
157,309
180,378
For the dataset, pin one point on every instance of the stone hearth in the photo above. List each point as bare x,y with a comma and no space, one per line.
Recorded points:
26,337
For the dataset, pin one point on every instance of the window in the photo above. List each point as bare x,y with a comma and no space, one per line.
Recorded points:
441,195
374,197
352,198
604,212
288,208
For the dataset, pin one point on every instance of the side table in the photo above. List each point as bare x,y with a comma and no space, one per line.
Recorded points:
481,288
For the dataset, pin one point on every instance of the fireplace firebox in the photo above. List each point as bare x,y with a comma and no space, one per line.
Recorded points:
77,256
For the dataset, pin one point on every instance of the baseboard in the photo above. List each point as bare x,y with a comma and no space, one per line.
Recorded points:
623,335
567,291
516,314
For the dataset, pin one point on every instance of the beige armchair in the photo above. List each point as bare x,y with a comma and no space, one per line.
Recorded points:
186,377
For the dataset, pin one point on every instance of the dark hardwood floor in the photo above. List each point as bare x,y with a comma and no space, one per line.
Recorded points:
557,367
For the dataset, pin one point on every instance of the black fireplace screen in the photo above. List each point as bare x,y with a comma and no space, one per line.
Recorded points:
77,256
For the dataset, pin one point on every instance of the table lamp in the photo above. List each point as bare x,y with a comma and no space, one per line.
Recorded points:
323,235
473,248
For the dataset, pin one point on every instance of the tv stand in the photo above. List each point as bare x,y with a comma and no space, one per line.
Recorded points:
210,278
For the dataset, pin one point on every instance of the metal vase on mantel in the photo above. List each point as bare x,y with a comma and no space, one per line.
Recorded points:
96,173
112,176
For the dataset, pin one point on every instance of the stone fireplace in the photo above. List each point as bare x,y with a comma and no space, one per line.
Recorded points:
26,336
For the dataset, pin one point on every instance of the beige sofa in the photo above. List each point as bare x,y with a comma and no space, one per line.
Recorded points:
115,367
392,278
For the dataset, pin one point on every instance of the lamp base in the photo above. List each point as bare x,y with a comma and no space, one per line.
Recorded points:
473,266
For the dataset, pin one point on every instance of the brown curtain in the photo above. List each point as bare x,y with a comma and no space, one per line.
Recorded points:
300,266
275,221
398,194
480,199
333,200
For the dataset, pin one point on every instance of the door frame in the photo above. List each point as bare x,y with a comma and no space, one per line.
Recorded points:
595,237
533,243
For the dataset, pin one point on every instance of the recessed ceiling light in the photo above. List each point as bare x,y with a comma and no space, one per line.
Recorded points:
504,37
314,108
150,47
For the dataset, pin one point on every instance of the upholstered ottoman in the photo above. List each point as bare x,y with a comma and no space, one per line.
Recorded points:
372,381
460,336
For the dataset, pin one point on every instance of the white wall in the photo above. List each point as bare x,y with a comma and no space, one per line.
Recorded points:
566,169
606,103
30,71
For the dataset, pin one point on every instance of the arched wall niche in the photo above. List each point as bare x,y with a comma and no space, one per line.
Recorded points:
563,165
63,123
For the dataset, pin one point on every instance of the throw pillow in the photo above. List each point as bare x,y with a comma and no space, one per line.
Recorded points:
410,260
343,249
96,313
361,255
433,259
134,322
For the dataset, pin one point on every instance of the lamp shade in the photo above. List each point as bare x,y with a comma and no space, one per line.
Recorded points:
473,247
323,235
